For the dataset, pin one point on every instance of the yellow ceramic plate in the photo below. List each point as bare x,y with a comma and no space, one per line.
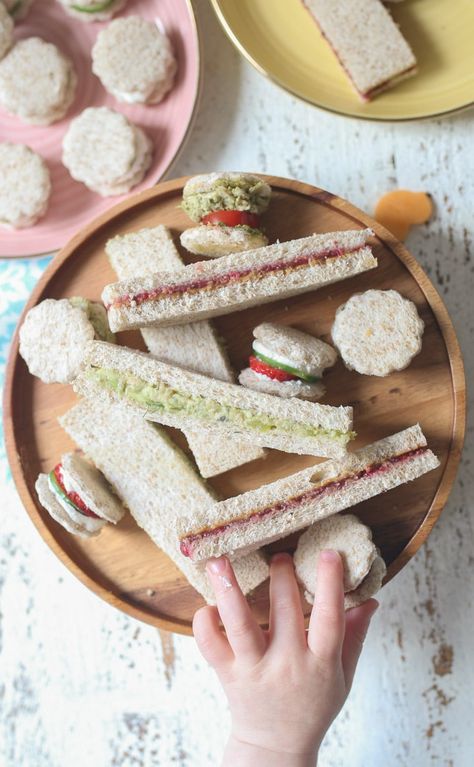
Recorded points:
281,40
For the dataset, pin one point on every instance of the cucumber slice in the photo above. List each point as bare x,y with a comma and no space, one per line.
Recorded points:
59,491
97,8
286,368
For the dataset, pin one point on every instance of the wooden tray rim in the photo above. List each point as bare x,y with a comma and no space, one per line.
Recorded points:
398,249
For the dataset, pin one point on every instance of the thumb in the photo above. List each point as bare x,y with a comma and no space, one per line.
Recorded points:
357,624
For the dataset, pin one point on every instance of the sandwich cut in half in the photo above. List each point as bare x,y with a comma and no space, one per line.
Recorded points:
155,481
211,288
274,511
369,45
181,398
287,362
195,345
77,496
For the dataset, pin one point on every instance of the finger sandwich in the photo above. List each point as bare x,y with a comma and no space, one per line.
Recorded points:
369,45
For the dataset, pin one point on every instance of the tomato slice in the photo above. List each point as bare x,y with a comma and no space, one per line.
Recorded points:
232,218
75,499
276,375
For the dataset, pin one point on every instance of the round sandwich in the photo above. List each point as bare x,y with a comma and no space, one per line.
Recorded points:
25,186
77,496
364,568
106,152
228,207
6,31
287,362
344,533
37,82
18,8
55,335
377,332
92,10
134,61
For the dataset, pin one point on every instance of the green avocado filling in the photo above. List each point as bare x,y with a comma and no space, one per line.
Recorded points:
97,316
227,194
15,8
163,397
96,8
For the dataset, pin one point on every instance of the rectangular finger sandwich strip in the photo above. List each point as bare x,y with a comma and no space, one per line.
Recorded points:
176,397
367,42
155,481
274,511
194,345
228,284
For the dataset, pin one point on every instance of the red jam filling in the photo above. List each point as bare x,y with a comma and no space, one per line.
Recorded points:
187,543
236,275
73,497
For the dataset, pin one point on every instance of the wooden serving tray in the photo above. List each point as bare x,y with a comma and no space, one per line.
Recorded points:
122,565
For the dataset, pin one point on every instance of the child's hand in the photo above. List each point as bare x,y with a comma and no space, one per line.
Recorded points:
285,685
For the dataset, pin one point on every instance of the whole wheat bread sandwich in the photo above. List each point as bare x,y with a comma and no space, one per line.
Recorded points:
195,346
369,45
287,362
210,288
154,480
261,516
78,497
355,591
181,398
228,206
347,535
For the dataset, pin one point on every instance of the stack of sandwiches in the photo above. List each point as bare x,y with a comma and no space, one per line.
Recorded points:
186,381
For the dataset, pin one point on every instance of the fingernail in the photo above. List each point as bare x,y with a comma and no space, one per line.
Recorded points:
217,566
328,555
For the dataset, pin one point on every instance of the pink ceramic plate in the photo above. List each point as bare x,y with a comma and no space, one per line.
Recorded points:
168,123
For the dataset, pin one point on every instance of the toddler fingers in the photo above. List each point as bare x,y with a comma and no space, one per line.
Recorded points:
327,621
243,632
286,614
357,624
211,642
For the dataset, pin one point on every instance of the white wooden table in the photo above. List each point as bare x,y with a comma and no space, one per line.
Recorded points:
81,684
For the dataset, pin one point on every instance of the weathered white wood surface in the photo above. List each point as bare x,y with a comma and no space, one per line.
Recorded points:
81,684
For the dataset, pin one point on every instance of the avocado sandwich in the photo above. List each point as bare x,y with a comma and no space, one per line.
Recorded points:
181,398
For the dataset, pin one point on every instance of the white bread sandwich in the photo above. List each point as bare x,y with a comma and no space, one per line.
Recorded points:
195,346
55,334
261,516
369,45
78,497
155,481
181,398
210,288
377,332
229,206
287,362
343,533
